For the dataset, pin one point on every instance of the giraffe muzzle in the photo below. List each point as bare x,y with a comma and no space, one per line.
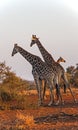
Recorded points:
12,54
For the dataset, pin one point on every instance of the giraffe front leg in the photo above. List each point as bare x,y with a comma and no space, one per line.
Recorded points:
40,101
44,89
51,97
38,86
59,96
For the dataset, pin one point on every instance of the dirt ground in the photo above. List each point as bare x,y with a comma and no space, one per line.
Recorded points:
61,117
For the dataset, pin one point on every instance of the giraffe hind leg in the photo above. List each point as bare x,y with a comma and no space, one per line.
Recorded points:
64,88
58,94
72,94
68,86
51,94
44,89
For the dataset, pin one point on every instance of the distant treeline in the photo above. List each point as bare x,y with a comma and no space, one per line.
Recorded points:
72,73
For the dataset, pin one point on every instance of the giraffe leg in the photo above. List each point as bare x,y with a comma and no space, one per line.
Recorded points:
58,94
64,88
72,94
51,94
38,86
51,98
67,85
44,89
41,86
40,101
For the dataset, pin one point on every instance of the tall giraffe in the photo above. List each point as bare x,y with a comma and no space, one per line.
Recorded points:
41,69
59,60
52,64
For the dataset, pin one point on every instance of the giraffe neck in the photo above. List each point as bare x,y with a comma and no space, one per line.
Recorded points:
46,55
32,59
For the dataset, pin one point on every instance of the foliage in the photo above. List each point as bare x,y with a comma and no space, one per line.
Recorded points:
10,80
70,69
10,88
72,74
3,71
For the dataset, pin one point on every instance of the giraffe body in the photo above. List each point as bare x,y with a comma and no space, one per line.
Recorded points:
40,68
60,59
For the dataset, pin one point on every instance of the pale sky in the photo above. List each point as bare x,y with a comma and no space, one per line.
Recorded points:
55,22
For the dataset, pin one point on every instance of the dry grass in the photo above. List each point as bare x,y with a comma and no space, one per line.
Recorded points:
27,121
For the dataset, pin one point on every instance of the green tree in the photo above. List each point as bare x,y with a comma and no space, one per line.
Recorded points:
72,73
70,69
3,71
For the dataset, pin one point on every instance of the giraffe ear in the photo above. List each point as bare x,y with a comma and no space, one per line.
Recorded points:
15,44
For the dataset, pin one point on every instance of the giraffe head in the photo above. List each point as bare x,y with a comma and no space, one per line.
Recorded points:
15,49
60,60
34,40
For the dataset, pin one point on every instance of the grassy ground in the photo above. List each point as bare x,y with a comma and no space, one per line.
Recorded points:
24,114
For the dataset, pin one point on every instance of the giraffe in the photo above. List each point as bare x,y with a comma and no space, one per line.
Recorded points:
41,69
59,60
52,64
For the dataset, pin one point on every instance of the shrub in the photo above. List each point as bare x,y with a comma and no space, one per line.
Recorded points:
5,96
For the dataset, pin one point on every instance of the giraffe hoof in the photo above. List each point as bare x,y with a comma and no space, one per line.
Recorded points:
63,102
57,103
75,101
40,104
50,103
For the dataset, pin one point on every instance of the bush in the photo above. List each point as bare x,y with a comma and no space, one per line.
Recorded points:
5,96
